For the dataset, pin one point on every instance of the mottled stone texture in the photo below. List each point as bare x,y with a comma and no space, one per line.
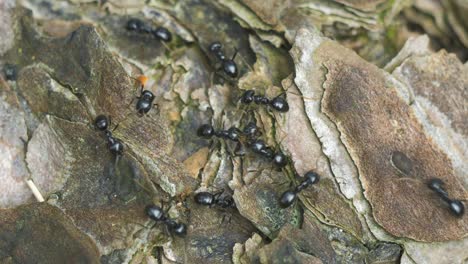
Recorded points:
41,233
374,136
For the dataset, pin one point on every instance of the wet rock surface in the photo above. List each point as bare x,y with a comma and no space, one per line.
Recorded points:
374,135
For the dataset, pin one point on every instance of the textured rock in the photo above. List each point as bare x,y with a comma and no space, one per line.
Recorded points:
12,130
41,233
374,137
438,84
258,202
212,234
375,123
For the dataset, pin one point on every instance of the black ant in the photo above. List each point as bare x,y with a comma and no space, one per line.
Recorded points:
146,98
227,65
139,26
259,146
278,103
288,197
210,199
102,123
455,206
157,214
10,71
207,131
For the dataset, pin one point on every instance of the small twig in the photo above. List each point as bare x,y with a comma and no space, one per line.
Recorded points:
35,190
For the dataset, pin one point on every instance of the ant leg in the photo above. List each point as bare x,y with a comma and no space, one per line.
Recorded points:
300,95
243,60
211,79
157,109
223,219
166,46
218,194
217,73
231,153
234,55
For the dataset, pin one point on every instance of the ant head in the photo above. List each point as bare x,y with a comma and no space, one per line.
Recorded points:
215,46
234,134
101,122
10,71
280,104
155,212
116,146
287,199
135,24
162,33
148,95
180,229
206,131
436,184
280,160
227,202
247,97
230,68
312,177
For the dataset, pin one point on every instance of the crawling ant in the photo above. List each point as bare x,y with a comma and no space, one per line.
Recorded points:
278,103
146,98
455,206
207,131
10,71
288,197
228,66
259,146
102,123
210,199
139,26
157,214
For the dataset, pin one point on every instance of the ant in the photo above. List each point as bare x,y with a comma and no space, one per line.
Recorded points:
227,65
455,206
278,103
157,214
288,197
210,199
102,123
207,131
146,98
278,158
139,26
10,71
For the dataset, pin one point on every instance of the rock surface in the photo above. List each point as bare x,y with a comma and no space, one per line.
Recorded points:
374,134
